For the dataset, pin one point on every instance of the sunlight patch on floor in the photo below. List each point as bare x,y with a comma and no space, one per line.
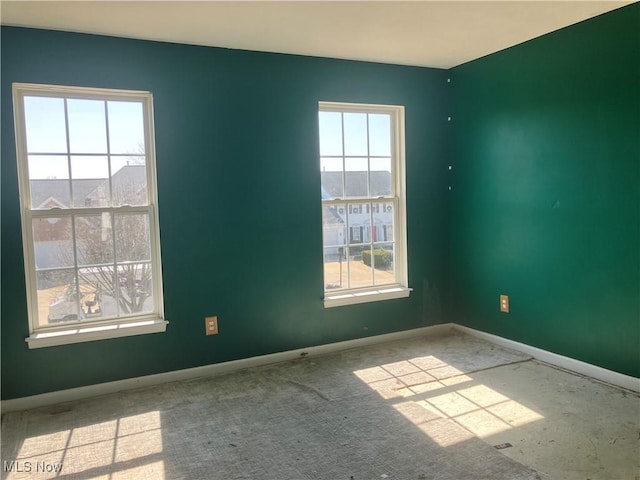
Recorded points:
408,377
126,447
436,393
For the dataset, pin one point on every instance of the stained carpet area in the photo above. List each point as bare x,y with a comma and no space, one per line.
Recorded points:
366,413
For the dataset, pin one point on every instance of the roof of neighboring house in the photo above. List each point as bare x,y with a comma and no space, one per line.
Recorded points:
356,184
129,182
126,182
136,174
330,215
58,189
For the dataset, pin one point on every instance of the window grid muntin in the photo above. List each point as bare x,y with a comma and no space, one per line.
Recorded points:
20,91
110,178
368,164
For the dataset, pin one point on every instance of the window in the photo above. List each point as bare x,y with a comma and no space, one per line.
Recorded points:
86,167
363,202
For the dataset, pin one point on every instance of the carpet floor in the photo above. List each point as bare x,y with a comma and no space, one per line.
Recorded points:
366,413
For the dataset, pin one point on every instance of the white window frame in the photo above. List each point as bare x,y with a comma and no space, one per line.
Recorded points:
400,288
86,330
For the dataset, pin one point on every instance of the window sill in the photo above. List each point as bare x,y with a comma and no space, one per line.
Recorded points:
89,333
365,296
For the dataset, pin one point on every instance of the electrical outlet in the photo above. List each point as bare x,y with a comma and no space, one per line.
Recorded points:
211,325
504,303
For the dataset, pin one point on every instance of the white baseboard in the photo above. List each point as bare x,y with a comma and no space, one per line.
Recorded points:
567,363
52,398
79,393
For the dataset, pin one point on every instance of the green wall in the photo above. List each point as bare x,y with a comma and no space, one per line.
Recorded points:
546,192
545,200
239,202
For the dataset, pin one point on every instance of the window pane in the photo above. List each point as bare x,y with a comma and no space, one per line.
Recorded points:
380,177
355,134
132,238
129,181
87,126
126,127
383,261
57,296
49,182
96,293
45,124
90,181
383,222
335,268
89,167
94,242
330,133
356,177
331,175
359,219
135,284
53,243
380,135
333,225
48,167
360,272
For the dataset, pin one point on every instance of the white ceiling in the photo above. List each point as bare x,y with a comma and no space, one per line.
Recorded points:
425,33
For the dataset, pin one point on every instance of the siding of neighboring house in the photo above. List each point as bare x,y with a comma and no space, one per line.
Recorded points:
359,217
52,236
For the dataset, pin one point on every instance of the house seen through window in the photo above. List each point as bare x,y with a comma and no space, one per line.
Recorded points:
87,184
363,202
